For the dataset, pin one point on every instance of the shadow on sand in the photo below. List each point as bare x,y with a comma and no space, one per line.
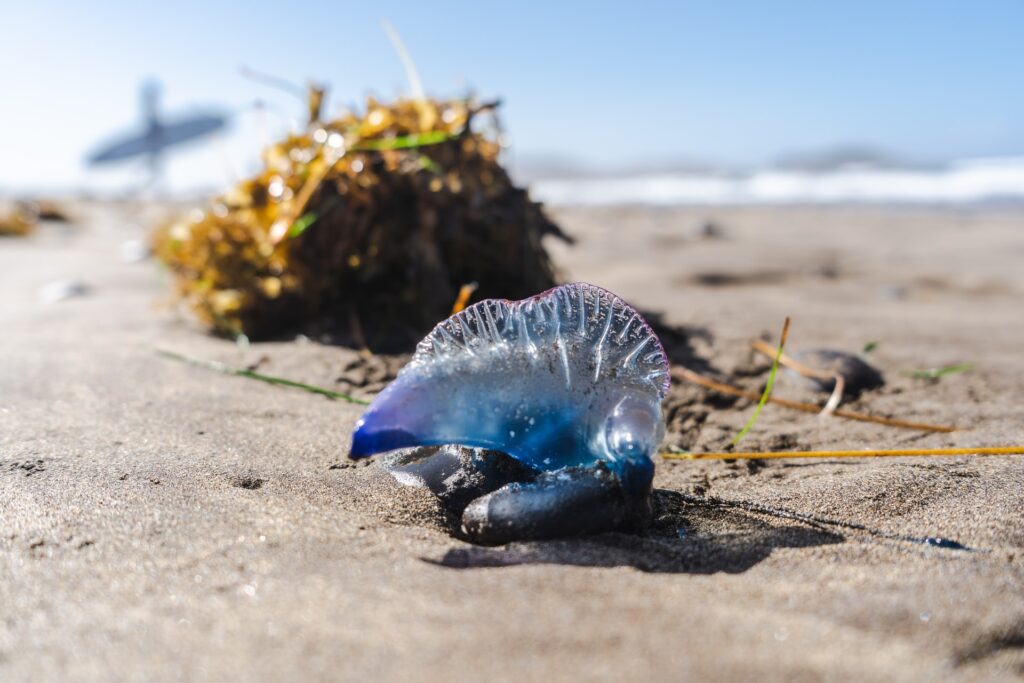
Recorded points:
684,538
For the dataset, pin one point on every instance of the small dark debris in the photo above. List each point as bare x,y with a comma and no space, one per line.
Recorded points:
29,467
829,271
248,482
255,365
350,464
754,466
754,279
783,442
710,230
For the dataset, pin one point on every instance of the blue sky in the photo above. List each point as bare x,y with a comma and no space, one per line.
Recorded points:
604,84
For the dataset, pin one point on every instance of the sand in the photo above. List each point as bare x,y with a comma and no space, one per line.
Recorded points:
162,522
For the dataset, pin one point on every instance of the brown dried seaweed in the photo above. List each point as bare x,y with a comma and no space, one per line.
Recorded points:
20,221
378,218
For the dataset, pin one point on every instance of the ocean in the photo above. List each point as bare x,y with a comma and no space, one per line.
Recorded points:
967,181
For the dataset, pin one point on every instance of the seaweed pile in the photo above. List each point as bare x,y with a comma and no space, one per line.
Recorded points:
363,228
22,218
20,221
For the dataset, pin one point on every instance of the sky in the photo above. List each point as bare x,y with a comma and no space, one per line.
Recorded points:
602,85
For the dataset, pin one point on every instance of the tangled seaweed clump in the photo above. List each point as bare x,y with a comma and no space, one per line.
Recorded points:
365,226
20,221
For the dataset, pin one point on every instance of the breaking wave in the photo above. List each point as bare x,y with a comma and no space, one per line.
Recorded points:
969,181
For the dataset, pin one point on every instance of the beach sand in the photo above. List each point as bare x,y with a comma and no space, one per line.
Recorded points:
163,522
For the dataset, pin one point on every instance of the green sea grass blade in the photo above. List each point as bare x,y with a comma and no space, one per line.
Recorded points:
269,379
767,387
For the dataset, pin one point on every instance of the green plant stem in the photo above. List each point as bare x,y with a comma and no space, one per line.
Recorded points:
767,387
269,379
935,373
432,137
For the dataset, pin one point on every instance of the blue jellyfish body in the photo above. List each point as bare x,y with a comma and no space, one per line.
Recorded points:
570,377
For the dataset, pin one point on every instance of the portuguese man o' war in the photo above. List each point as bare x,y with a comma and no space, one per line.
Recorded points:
567,383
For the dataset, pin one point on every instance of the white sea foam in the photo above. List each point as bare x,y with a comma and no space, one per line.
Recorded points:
968,181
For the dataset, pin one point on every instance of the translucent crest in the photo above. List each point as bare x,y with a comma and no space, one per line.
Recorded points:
588,333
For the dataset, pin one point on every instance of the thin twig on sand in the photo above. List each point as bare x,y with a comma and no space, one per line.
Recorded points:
681,373
900,452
